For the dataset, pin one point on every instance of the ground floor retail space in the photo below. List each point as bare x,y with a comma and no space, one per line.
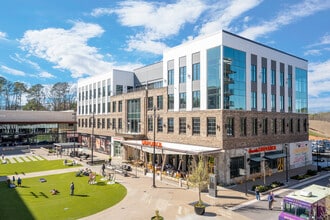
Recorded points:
229,166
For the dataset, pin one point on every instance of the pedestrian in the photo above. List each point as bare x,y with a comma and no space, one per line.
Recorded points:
72,189
19,181
3,156
110,158
13,179
270,200
257,192
103,168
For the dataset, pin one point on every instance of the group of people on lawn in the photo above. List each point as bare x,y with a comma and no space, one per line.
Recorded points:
11,184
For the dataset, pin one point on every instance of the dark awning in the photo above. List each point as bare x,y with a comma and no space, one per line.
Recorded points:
275,156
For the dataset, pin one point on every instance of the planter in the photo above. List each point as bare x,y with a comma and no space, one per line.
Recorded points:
199,210
157,218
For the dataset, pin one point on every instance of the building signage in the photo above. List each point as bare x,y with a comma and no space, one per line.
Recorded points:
262,149
152,143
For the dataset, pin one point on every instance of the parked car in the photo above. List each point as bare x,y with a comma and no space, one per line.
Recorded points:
318,149
321,163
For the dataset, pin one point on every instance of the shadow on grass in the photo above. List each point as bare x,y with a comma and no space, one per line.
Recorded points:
78,195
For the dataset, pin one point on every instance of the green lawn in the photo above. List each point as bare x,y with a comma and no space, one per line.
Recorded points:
20,168
33,199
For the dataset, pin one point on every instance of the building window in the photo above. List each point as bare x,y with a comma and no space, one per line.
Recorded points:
243,126
273,102
196,71
254,163
253,100
254,126
196,99
98,123
160,102
301,91
170,125
98,108
119,89
265,126
134,115
103,123
150,103
103,107
281,103
170,77
120,123
264,75
213,78
290,103
273,77
230,126
109,90
114,106
289,80
253,73
282,79
182,125
236,163
196,126
103,91
291,125
264,101
305,125
298,125
98,92
108,123
283,126
113,123
170,101
211,126
120,106
159,124
150,123
109,107
182,74
274,126
94,93
182,100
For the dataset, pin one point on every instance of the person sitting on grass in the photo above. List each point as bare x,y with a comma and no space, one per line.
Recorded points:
54,191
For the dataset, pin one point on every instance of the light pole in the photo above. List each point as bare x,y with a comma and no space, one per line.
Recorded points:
154,152
92,138
286,163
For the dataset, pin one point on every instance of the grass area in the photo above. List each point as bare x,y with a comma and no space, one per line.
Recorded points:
34,201
19,168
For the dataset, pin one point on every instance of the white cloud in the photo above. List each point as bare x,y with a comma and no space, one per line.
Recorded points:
221,15
3,35
319,78
12,71
157,20
285,17
46,75
68,49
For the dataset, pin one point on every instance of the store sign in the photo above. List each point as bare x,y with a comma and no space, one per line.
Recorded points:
262,149
152,143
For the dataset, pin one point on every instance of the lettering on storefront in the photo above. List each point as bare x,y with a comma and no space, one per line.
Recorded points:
262,149
151,143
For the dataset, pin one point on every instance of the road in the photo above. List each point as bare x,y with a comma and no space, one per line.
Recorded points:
258,210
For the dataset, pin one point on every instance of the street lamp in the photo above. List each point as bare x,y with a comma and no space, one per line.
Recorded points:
286,163
92,138
154,152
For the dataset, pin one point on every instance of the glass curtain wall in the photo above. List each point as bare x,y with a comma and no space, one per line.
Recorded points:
301,91
213,78
234,80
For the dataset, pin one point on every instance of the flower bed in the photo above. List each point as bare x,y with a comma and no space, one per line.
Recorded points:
265,188
308,174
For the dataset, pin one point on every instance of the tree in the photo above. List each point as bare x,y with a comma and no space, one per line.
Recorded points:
19,90
199,177
36,97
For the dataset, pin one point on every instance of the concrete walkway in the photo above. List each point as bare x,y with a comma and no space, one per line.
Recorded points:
172,201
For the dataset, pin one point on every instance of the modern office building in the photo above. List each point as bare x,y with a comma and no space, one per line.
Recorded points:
241,104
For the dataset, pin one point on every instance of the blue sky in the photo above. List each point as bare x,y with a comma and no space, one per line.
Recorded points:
61,41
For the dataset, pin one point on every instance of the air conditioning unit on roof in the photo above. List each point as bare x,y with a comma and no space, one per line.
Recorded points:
305,193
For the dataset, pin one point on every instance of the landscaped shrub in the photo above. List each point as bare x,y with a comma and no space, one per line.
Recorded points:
263,188
311,172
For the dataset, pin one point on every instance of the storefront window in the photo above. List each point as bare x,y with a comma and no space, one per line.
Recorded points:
236,163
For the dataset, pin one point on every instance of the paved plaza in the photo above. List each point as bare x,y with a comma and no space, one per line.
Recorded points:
172,201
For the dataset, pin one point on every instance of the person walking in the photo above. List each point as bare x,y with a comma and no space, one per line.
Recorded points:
270,200
103,168
19,181
257,192
72,189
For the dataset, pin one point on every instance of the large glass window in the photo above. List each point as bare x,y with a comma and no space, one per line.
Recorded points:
182,100
273,77
196,99
182,74
274,126
196,125
254,126
234,79
253,73
170,76
265,126
264,101
182,125
213,78
170,125
150,103
150,123
282,103
264,75
243,126
120,106
282,79
159,124
211,126
301,91
133,115
230,126
196,71
119,89
253,100
170,101
160,102
290,103
236,163
273,103
289,80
